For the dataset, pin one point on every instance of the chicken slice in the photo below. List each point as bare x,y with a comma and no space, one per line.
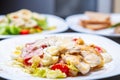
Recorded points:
91,58
83,67
76,60
106,57
52,50
74,50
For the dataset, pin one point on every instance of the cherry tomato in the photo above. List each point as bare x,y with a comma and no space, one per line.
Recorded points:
26,62
61,67
24,31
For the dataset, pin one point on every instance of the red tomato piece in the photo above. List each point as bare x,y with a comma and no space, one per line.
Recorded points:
75,39
61,67
41,56
39,65
44,46
26,62
98,49
24,31
38,27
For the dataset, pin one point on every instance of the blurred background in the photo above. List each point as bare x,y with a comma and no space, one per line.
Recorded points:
62,8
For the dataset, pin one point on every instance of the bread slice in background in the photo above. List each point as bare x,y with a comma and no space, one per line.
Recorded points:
96,21
96,26
98,16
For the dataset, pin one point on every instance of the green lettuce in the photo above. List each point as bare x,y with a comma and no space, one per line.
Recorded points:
46,72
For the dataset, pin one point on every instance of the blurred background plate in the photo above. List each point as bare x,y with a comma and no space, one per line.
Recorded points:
52,20
74,20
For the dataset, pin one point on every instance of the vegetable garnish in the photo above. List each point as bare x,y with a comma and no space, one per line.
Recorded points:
115,25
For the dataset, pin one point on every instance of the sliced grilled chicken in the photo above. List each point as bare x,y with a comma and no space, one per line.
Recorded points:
106,57
91,58
83,67
76,60
74,50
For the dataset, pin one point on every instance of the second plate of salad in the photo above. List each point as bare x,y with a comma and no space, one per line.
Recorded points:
26,22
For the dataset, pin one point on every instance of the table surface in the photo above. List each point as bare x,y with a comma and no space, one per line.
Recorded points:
112,38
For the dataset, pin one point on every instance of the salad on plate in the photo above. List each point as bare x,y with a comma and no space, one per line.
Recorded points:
60,57
23,22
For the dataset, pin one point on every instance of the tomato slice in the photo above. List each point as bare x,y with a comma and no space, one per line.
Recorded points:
44,46
24,31
62,67
26,62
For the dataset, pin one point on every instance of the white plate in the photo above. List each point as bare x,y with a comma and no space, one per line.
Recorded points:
73,22
13,73
52,21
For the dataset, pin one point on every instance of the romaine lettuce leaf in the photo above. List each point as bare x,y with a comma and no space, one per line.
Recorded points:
46,72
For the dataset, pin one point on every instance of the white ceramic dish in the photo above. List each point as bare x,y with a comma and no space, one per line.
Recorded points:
14,73
52,20
73,22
